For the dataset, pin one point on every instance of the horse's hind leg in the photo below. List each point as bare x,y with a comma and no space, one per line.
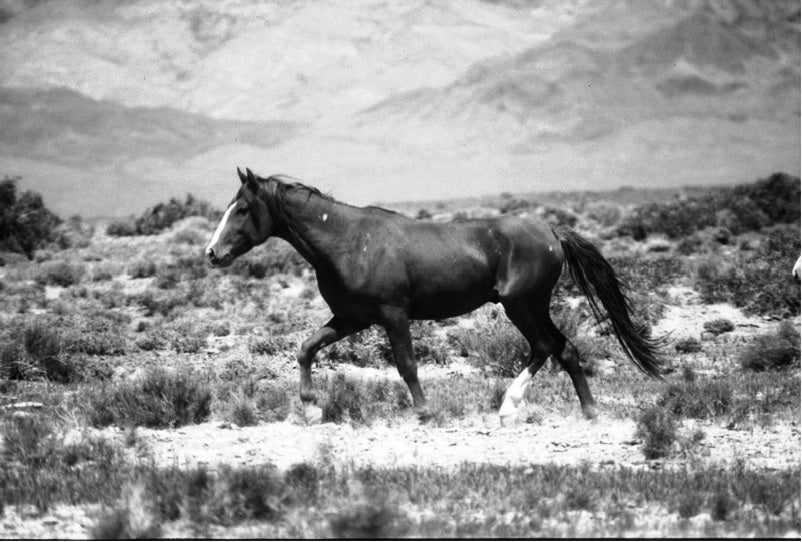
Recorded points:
532,325
568,357
331,332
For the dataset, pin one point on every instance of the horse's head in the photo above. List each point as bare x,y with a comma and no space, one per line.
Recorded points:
245,224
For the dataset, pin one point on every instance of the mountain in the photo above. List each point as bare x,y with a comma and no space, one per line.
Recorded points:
380,101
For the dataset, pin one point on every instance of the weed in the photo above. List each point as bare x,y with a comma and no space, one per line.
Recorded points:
696,399
718,326
273,403
688,345
39,469
159,399
369,521
242,411
658,428
756,281
221,329
343,401
60,273
690,504
499,346
247,493
723,504
779,350
267,347
142,269
303,483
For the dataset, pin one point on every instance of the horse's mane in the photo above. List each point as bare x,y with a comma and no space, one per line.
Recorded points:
286,183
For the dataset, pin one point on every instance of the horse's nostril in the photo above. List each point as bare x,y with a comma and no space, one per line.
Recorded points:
210,252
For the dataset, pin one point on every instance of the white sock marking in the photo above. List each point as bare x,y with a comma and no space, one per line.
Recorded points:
220,227
513,396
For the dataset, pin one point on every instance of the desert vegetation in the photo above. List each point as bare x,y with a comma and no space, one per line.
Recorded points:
116,341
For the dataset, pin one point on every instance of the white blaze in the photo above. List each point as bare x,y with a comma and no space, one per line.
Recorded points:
219,231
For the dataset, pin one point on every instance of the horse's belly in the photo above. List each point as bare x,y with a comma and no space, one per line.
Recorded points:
448,302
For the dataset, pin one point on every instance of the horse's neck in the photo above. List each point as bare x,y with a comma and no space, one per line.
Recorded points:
311,220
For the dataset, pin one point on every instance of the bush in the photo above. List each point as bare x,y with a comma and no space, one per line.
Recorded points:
163,216
695,399
160,399
121,228
773,351
688,345
658,428
142,269
35,349
718,326
369,521
758,281
60,273
499,346
25,223
739,209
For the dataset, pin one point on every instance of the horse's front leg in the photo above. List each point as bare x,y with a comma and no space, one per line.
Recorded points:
331,332
397,327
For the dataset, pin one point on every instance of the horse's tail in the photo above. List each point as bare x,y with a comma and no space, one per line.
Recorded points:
589,269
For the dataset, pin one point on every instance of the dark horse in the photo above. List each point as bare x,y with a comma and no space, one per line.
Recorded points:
375,266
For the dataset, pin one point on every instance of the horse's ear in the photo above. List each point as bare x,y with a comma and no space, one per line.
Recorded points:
251,180
242,176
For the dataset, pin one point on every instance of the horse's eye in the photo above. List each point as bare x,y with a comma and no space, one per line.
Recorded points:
242,211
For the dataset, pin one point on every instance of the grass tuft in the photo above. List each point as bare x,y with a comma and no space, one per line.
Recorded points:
658,428
773,351
159,399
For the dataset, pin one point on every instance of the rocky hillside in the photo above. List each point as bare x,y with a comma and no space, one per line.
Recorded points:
377,101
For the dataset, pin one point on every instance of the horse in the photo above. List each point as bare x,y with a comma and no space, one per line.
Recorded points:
379,267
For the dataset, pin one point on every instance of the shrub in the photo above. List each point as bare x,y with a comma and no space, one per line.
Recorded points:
695,399
758,281
159,399
142,269
122,228
658,428
369,521
41,468
772,351
242,411
118,524
162,216
499,346
605,213
267,347
688,345
343,401
718,326
743,208
60,273
250,493
25,223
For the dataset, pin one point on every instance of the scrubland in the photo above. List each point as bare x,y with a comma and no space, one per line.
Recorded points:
132,376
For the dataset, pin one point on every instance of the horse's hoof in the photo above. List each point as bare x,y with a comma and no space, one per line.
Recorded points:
508,411
507,419
425,415
590,413
312,413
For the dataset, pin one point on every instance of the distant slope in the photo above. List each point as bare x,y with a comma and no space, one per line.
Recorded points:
698,66
64,127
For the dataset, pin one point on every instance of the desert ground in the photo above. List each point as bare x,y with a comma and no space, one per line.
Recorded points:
147,394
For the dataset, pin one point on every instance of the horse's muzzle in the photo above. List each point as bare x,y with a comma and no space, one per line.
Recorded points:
217,261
